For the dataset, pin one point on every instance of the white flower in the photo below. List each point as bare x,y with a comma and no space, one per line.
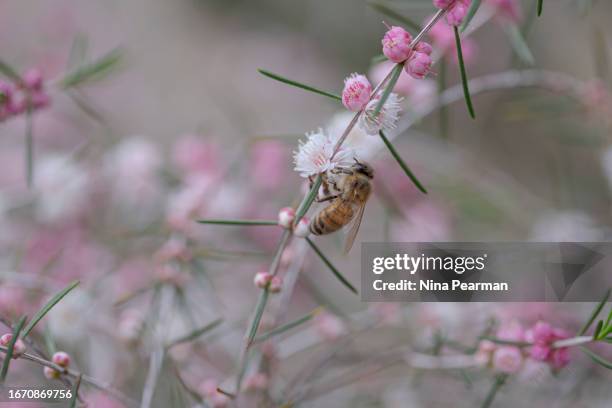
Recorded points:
363,145
387,117
63,188
566,226
314,156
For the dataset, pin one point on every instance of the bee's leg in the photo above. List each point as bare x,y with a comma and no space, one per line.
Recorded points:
328,198
341,170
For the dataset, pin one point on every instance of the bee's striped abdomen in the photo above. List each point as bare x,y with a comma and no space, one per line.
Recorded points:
332,218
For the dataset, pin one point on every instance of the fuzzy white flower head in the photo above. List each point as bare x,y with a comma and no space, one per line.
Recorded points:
387,117
314,156
363,145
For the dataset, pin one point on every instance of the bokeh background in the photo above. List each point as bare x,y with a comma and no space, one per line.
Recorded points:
186,128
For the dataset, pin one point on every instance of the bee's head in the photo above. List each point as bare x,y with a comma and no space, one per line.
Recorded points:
363,168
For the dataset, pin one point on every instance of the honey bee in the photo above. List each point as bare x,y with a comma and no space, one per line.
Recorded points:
348,189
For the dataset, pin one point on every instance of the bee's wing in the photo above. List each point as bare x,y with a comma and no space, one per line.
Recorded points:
352,233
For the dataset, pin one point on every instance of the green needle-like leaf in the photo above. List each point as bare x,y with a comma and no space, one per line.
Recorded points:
239,222
595,313
470,14
397,70
598,330
259,309
464,78
195,334
402,164
9,71
608,319
75,391
519,45
48,306
540,6
597,358
8,356
93,70
333,269
298,84
286,327
383,8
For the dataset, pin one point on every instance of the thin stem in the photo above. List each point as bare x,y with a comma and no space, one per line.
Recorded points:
239,222
75,374
497,384
382,83
575,341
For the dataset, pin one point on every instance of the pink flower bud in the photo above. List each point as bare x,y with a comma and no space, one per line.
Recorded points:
356,93
441,4
486,346
18,349
276,284
61,358
512,331
419,65
302,229
328,326
286,216
507,359
6,92
424,47
457,10
208,388
396,44
40,99
457,13
559,358
485,351
541,333
256,382
50,373
262,279
539,352
33,79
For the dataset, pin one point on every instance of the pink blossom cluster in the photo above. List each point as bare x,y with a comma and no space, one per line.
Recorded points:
18,348
457,10
264,280
397,47
60,358
510,358
542,335
29,93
